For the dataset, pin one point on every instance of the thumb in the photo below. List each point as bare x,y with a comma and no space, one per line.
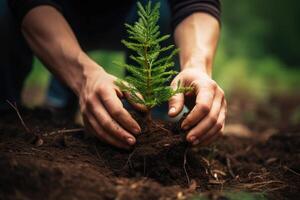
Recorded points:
127,96
176,102
136,106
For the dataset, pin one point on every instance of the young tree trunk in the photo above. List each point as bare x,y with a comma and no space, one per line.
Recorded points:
148,119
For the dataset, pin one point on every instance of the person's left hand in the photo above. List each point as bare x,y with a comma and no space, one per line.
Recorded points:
207,103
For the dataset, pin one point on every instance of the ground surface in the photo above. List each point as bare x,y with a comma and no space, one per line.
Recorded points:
260,154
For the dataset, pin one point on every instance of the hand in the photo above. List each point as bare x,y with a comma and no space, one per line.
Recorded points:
206,120
103,112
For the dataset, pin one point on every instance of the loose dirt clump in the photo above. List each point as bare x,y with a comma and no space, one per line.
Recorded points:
161,154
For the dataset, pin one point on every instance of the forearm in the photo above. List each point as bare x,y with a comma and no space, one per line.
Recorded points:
52,40
197,37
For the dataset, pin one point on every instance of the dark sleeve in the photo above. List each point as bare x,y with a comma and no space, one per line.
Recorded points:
181,9
21,7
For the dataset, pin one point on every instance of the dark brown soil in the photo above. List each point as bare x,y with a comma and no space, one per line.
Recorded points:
72,166
158,155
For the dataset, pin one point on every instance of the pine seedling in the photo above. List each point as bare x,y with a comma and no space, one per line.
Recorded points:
147,84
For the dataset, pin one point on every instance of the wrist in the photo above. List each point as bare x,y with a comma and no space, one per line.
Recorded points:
198,61
87,68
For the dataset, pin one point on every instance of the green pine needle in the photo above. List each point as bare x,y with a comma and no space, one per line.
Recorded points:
151,73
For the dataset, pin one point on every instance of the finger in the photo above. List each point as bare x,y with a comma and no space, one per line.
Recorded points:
216,129
215,137
176,102
114,107
108,124
204,99
92,126
208,122
211,140
136,106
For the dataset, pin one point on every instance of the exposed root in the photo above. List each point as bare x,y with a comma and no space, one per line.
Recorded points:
184,166
162,128
14,106
228,163
144,166
63,131
290,170
38,141
43,151
98,155
128,162
265,186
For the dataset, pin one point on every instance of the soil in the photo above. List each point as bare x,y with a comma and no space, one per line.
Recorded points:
50,164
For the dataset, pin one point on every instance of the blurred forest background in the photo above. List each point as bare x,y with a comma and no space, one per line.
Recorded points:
257,58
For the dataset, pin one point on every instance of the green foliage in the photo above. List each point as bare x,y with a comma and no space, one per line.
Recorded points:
237,195
148,79
105,57
245,196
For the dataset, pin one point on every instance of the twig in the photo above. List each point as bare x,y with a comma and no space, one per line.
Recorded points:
206,161
103,160
161,127
290,170
184,166
38,141
260,185
25,153
128,162
144,165
98,155
43,151
228,163
14,106
129,159
64,131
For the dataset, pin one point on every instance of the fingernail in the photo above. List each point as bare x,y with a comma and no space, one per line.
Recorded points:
130,141
185,126
195,142
172,110
136,130
192,138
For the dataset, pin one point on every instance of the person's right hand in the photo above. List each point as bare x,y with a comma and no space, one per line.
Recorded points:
103,112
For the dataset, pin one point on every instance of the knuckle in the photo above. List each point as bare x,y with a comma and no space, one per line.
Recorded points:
105,123
106,99
213,119
101,88
204,108
90,101
116,112
176,99
213,84
89,105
